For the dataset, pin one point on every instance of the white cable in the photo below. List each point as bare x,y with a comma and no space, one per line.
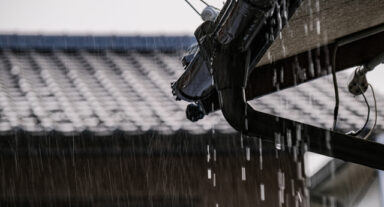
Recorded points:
374,125
194,9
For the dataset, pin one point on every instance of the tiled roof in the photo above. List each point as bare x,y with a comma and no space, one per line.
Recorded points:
99,92
104,91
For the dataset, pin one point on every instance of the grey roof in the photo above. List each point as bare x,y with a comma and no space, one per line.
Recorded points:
105,91
95,42
99,92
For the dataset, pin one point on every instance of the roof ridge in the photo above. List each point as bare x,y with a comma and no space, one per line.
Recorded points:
90,42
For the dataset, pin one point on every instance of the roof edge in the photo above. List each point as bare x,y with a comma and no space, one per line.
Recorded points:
95,42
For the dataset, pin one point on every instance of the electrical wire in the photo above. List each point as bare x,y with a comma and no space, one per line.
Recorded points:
336,109
374,125
189,3
208,4
353,133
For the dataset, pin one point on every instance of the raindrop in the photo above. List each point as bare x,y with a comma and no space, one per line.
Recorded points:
285,12
333,169
262,192
278,141
298,132
248,154
274,79
281,196
306,29
271,37
281,179
311,65
305,147
261,154
299,197
328,140
208,154
329,69
246,124
295,153
318,26
243,175
289,138
214,180
299,171
318,65
318,6
282,75
279,21
209,174
306,192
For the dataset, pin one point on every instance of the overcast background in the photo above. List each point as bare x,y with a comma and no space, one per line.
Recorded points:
100,16
106,17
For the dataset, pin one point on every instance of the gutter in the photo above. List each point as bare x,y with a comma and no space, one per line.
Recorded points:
231,69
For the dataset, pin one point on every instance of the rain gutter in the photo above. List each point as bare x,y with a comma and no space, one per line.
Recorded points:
231,79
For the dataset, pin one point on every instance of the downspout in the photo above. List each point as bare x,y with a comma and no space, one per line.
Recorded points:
230,81
234,61
230,78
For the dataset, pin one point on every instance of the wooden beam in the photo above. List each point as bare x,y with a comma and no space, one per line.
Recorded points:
357,49
318,23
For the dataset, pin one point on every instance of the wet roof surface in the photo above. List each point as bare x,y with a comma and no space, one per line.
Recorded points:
106,91
99,92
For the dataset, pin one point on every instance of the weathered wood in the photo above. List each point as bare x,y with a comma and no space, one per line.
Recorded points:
312,64
320,22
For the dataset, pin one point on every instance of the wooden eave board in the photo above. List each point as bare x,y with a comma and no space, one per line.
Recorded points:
320,22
